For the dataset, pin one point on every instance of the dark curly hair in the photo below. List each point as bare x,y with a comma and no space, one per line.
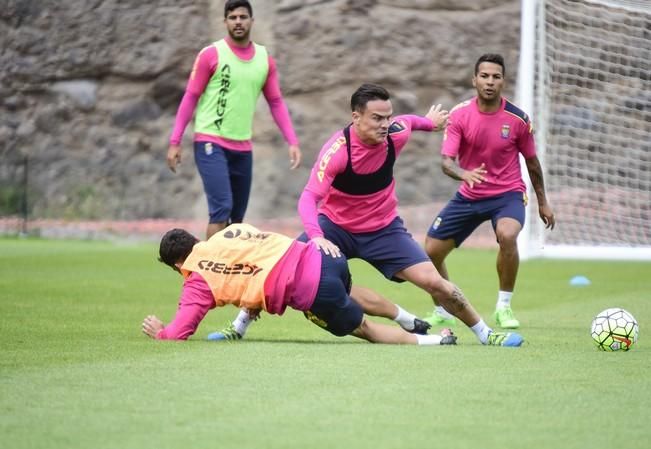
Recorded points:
491,57
176,245
365,93
234,4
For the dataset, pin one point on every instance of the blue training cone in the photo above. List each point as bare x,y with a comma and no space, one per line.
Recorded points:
579,281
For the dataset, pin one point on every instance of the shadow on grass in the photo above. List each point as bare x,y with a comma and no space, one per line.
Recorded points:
284,341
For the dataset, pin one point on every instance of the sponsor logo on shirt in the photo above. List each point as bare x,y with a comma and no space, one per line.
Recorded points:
325,160
243,269
224,88
506,131
246,235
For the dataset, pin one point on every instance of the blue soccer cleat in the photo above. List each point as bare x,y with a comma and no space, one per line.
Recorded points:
511,339
228,333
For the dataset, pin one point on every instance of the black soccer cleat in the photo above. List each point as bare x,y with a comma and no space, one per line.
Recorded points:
449,340
420,327
448,337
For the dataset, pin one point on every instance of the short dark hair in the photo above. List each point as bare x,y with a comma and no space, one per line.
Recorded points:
234,4
365,93
176,245
491,57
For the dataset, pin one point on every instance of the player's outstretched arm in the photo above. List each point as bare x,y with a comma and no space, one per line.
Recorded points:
438,116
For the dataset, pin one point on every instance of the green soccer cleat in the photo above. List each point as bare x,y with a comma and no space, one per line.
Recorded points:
435,319
228,333
505,319
511,339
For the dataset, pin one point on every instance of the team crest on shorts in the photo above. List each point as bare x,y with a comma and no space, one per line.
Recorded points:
436,223
208,148
506,131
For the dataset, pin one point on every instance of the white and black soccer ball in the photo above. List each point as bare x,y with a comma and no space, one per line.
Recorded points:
614,329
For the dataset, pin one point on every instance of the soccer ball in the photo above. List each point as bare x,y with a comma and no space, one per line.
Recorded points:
614,330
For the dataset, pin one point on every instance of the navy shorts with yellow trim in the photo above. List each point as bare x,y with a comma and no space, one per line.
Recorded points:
333,308
461,216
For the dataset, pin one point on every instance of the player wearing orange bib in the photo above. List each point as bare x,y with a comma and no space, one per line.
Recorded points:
265,271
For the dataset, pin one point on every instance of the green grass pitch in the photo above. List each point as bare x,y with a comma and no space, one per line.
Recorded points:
76,372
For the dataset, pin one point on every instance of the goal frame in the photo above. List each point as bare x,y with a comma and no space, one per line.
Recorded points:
531,241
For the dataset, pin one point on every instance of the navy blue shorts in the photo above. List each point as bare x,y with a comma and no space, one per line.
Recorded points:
333,308
461,216
226,177
390,249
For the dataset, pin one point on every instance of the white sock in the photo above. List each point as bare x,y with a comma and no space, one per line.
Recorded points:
405,319
241,323
443,313
481,330
432,339
503,299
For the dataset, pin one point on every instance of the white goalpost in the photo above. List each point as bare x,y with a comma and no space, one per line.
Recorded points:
585,79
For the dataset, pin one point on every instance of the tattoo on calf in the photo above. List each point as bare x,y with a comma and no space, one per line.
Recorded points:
458,301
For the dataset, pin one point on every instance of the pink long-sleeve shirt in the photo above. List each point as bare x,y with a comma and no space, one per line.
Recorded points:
354,213
495,139
293,282
204,68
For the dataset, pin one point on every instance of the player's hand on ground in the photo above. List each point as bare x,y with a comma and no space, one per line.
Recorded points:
547,216
151,325
327,246
475,176
438,116
294,156
173,156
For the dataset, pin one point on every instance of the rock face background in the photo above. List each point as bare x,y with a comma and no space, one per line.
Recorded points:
89,91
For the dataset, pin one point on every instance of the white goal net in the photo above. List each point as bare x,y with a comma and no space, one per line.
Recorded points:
585,77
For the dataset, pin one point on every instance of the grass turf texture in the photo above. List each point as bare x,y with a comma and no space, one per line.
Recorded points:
75,371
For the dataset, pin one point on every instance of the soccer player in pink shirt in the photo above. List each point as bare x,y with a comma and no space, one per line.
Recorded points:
481,147
349,205
225,83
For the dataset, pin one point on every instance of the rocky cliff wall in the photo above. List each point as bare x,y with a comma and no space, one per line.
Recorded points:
89,90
